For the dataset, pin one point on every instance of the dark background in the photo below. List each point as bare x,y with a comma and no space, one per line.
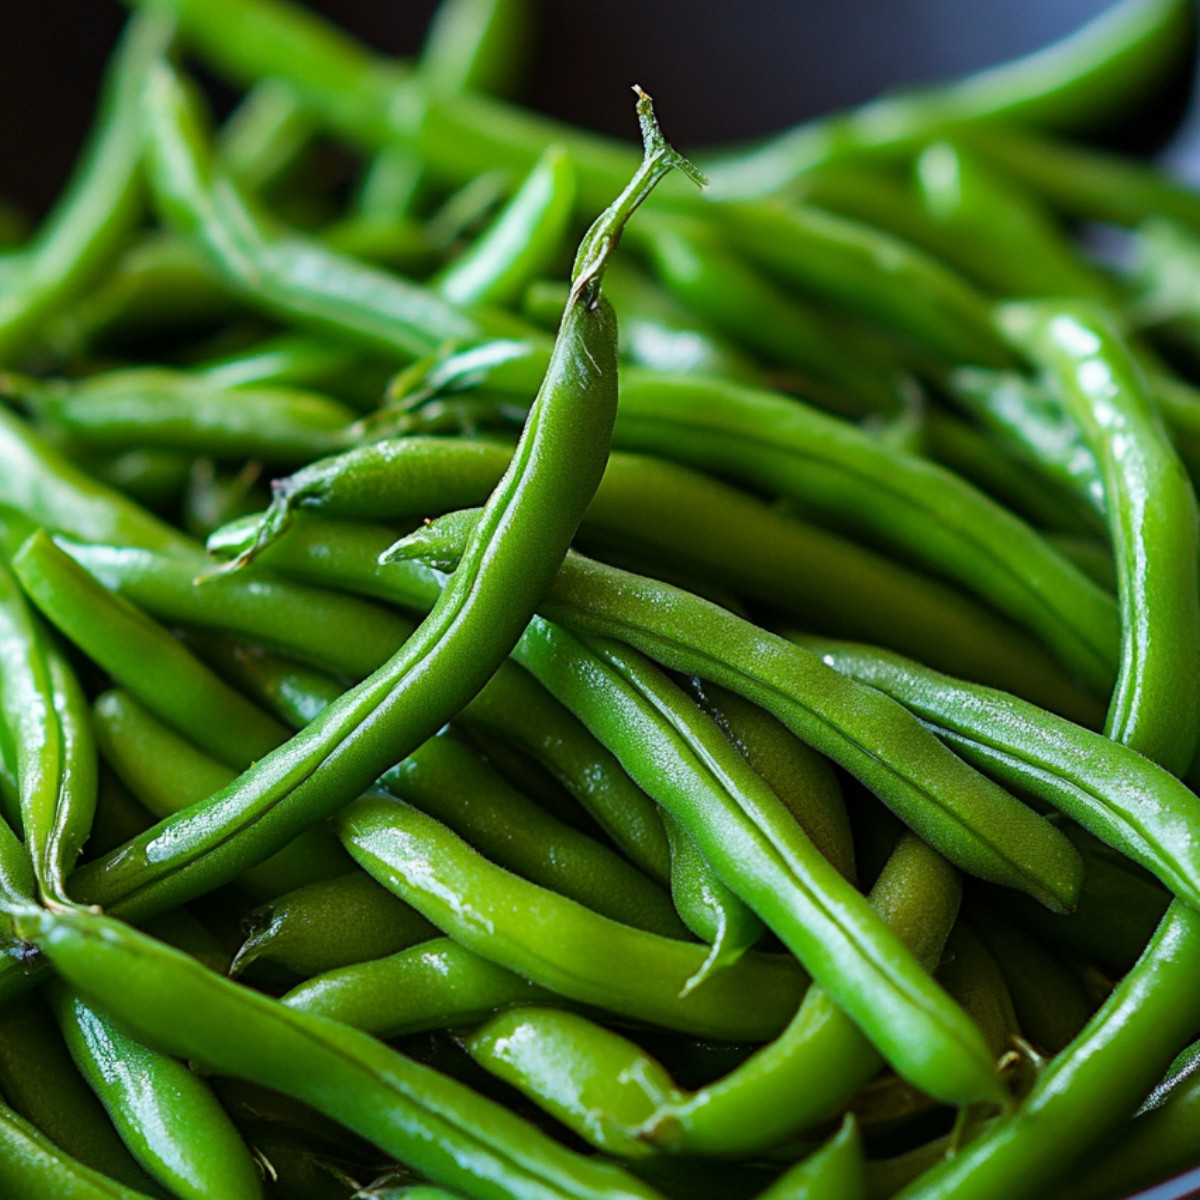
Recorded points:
719,69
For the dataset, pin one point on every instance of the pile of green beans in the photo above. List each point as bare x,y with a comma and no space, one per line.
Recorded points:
530,671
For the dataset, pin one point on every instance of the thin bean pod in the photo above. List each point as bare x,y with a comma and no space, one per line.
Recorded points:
1123,798
1153,524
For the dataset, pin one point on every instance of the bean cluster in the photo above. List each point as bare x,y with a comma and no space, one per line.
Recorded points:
449,750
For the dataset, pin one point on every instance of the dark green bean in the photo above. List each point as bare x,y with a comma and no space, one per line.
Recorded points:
1152,517
329,924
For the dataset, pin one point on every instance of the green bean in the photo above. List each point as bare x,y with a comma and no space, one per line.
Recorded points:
709,908
834,1172
866,271
713,281
969,453
1084,182
803,780
446,780
283,359
659,333
160,288
144,657
168,1117
434,985
777,443
1049,1003
263,137
876,743
42,1085
599,1085
1002,235
53,753
511,704
31,1166
167,773
1119,908
50,491
813,1069
519,244
430,1122
1086,1092
757,848
475,45
518,709
158,409
1116,794
1158,1144
1152,518
102,202
615,1096
1032,423
329,924
299,279
664,513
335,632
556,942
526,529
970,973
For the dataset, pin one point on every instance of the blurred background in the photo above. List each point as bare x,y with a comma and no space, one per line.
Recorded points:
720,71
